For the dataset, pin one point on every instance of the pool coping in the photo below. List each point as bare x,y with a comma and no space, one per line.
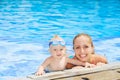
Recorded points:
71,72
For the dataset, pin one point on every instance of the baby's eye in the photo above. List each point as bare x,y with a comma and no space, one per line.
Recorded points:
55,49
61,49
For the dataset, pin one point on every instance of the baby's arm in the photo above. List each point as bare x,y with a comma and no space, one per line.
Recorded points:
41,68
75,62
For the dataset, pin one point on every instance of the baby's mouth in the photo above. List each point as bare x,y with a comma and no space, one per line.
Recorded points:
59,55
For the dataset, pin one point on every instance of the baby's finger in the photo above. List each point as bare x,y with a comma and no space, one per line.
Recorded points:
37,74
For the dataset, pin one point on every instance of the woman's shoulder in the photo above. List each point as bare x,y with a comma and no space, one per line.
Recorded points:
98,56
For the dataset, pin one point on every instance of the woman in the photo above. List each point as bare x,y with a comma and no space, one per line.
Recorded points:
84,51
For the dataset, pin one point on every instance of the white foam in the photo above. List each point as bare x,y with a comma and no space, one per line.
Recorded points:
13,53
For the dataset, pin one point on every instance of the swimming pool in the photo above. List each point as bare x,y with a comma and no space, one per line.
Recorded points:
26,26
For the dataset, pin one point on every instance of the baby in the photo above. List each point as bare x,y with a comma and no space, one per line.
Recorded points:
58,59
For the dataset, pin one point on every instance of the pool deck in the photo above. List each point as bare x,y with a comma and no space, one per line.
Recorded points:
105,72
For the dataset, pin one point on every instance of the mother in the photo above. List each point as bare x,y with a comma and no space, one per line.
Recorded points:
84,51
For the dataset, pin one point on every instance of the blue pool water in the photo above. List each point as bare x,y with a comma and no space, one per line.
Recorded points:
26,27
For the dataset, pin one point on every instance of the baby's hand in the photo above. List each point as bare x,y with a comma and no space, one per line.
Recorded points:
39,73
88,65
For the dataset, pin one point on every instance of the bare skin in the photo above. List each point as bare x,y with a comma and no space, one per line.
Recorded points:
84,52
57,61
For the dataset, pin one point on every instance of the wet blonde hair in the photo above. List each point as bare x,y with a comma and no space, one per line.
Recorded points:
86,35
56,38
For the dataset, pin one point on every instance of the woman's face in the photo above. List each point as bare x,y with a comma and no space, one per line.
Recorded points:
83,48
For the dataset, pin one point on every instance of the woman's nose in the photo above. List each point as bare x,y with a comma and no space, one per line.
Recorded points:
82,50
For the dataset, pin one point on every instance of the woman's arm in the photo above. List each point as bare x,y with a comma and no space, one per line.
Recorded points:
75,62
69,65
95,59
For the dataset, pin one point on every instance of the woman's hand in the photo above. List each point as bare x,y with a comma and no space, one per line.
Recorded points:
77,67
100,64
88,65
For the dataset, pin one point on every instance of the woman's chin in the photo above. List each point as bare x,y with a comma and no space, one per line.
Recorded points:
83,59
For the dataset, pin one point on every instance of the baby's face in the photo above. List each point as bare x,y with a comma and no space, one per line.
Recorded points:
57,51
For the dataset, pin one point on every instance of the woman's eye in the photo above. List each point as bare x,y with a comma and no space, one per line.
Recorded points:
86,46
77,47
